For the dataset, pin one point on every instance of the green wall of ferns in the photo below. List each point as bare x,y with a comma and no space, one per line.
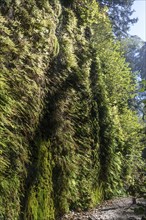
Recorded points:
68,135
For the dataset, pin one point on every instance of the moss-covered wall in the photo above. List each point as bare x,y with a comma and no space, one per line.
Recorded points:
65,121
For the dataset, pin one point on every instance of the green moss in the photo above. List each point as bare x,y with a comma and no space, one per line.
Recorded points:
27,46
97,195
40,203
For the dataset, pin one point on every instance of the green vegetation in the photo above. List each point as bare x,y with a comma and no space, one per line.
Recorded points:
68,135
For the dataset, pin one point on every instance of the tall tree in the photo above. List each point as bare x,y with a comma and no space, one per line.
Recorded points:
135,53
141,63
120,15
131,47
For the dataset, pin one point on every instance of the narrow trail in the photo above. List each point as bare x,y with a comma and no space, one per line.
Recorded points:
117,209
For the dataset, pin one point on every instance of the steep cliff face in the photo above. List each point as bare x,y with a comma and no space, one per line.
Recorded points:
66,126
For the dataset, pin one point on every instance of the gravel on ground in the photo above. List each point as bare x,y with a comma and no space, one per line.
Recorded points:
116,209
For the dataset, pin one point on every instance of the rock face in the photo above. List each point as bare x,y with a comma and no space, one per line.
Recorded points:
118,209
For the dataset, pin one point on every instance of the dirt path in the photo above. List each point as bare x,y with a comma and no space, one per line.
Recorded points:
117,209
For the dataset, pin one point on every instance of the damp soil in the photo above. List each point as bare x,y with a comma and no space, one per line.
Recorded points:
116,209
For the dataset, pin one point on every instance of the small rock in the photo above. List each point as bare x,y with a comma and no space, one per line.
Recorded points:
91,218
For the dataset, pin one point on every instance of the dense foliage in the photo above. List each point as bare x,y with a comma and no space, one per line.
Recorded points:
68,135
